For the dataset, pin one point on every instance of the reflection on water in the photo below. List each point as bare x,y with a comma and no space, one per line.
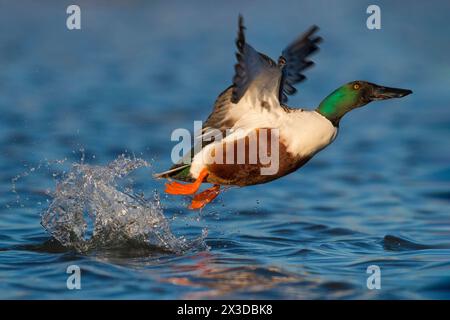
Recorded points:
379,195
218,282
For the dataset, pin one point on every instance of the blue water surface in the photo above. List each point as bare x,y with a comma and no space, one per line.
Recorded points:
137,70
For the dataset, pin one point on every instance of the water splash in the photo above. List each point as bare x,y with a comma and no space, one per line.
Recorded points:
31,170
90,211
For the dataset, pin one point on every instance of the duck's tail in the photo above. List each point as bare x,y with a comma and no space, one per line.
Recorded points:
180,171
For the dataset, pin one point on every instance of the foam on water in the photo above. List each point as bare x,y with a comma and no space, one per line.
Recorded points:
89,211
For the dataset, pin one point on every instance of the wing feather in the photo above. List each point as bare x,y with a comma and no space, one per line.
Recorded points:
253,69
294,61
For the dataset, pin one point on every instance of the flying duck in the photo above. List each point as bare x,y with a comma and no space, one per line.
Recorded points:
256,102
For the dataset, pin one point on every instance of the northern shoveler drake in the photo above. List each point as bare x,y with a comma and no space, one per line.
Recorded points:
256,100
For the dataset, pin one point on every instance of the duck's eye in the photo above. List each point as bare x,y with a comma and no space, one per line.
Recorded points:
356,86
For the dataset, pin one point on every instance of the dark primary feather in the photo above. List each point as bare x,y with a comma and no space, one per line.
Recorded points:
251,66
294,61
241,77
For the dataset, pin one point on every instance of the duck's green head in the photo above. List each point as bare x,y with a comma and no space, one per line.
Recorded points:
353,95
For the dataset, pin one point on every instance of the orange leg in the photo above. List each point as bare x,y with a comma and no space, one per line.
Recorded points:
188,188
203,198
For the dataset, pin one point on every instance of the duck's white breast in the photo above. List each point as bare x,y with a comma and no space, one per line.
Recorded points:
306,132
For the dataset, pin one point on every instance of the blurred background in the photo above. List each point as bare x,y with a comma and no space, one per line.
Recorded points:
137,70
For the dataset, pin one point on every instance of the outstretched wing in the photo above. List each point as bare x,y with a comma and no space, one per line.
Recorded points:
257,77
254,71
294,60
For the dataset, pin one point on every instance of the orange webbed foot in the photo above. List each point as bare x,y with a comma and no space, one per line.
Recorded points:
188,188
203,198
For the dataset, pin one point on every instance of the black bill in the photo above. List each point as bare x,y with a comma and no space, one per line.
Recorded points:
382,93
